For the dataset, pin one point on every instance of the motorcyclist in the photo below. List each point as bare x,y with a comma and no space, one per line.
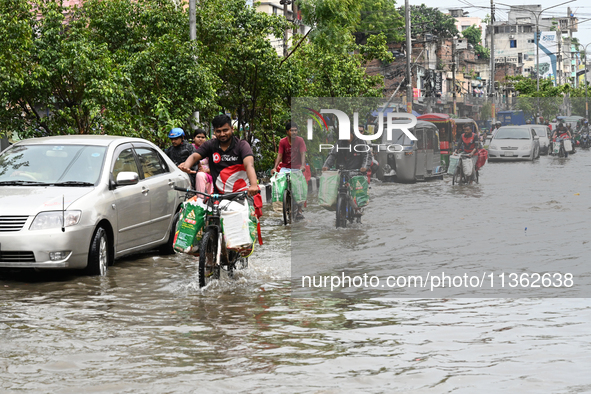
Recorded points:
562,133
180,149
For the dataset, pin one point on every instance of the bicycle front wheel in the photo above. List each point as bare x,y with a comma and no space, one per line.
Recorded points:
287,215
341,211
208,251
457,175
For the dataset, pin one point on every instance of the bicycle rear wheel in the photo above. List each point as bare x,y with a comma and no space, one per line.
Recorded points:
287,214
208,251
341,211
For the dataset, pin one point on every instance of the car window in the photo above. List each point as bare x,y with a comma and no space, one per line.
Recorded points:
150,162
420,140
512,133
125,162
398,137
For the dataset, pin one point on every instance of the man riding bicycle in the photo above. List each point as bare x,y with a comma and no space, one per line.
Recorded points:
469,144
352,154
291,155
231,161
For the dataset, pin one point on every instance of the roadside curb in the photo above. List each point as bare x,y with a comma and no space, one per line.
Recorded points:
266,190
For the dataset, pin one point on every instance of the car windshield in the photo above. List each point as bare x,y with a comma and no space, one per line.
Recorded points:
541,132
74,165
512,134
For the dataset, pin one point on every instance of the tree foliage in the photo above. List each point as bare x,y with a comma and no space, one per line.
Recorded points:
379,17
127,67
430,20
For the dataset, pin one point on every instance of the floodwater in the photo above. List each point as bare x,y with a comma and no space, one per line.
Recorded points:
147,328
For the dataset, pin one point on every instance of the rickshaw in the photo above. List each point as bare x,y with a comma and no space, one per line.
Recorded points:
447,134
403,160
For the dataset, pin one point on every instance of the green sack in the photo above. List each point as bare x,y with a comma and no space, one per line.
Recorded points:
278,185
359,190
191,221
299,186
453,164
328,189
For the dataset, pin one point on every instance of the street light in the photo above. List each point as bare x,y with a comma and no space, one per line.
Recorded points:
537,34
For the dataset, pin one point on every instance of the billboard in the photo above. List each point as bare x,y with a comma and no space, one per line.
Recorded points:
548,44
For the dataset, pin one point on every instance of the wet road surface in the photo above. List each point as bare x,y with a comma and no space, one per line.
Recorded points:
147,328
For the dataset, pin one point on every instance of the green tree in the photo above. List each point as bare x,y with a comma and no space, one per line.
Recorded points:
379,16
430,20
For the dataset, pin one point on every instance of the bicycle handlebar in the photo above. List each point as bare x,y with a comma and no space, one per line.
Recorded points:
227,196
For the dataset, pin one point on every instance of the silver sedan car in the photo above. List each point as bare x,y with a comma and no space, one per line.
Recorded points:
80,202
514,143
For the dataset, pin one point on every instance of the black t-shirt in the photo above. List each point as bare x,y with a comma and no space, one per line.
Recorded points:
227,167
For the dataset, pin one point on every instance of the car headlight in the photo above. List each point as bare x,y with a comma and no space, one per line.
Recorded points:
53,219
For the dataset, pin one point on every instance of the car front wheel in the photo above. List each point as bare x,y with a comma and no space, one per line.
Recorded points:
98,255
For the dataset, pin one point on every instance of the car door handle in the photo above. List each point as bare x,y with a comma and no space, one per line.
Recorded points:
171,182
145,190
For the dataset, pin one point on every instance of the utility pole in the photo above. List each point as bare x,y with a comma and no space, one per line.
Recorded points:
409,94
285,3
193,37
492,60
453,72
192,21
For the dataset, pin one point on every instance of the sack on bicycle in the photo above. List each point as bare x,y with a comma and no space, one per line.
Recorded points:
454,159
359,190
278,185
239,223
191,221
328,189
468,166
299,187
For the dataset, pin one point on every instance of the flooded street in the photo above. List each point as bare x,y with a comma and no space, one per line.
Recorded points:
147,328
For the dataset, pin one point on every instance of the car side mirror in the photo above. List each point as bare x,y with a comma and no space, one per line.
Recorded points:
536,137
125,178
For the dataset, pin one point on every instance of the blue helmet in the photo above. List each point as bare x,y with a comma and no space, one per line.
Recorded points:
176,133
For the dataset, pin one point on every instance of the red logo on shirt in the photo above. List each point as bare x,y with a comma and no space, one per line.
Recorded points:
216,158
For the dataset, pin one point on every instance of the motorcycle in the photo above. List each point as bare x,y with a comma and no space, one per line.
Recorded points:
585,140
561,147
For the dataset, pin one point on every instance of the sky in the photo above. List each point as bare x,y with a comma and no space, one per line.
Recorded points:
581,9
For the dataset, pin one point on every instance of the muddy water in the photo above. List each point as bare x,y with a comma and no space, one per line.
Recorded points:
147,328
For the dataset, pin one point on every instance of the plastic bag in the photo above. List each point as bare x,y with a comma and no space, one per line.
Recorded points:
278,185
467,166
453,164
328,189
482,157
299,186
188,232
359,190
568,145
239,223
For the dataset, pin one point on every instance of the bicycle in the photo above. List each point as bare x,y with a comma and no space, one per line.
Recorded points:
289,214
213,254
346,208
459,176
